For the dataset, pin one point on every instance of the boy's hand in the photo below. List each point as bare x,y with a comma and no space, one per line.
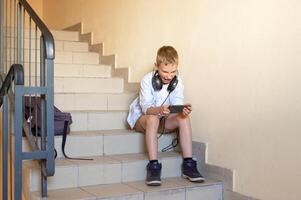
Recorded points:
187,110
164,111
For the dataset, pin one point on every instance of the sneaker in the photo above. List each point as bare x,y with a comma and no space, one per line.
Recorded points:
153,177
190,171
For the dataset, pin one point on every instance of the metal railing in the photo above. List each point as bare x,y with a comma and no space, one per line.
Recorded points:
25,43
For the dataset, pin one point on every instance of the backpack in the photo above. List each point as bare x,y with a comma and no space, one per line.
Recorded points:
62,121
32,112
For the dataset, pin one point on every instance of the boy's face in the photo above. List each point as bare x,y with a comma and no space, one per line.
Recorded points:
167,71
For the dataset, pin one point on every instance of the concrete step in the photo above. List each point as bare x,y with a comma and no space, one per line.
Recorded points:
71,70
61,57
66,35
57,35
83,84
60,45
171,189
101,170
31,44
108,142
88,85
82,70
92,101
98,120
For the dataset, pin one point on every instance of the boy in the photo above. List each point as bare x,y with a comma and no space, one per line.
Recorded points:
158,90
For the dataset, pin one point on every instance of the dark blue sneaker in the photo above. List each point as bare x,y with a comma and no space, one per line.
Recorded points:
153,177
190,171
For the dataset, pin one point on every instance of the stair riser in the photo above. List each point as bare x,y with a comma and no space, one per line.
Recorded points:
99,145
91,85
77,70
93,174
58,35
65,35
82,85
78,102
132,143
83,121
175,194
71,70
214,192
99,174
59,45
63,57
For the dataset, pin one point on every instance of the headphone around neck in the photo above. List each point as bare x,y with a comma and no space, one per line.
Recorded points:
158,84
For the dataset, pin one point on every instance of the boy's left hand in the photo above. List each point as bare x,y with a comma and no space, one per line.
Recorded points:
187,110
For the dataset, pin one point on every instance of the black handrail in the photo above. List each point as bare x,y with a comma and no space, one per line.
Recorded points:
46,34
15,73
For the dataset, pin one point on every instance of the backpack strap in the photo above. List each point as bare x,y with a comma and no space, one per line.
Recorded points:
64,143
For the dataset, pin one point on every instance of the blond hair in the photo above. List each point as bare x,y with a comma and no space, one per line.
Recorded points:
167,55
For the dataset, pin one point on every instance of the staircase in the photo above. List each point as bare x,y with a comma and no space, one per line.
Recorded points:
99,103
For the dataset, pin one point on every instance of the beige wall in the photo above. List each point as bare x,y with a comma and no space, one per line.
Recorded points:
37,5
240,62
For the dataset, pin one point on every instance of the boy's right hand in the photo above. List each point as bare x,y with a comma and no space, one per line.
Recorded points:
164,111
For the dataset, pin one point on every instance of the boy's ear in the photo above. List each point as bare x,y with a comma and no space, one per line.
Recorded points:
156,66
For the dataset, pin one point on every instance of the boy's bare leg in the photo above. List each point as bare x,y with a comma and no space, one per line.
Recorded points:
189,166
150,124
174,121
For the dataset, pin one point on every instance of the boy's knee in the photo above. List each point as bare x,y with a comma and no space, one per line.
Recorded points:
181,118
152,120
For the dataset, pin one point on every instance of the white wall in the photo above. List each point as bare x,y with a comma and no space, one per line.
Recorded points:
240,62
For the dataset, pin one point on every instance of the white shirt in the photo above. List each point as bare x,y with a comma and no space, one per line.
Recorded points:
148,97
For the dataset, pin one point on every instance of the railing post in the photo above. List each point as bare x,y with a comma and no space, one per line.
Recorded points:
50,117
43,117
18,142
19,32
4,150
1,35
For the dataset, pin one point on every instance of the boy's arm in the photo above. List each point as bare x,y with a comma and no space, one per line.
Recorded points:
145,94
146,99
160,110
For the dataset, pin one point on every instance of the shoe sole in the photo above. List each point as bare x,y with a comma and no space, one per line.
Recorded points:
153,183
198,180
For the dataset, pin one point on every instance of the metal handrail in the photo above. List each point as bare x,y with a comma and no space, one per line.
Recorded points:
16,74
11,97
46,34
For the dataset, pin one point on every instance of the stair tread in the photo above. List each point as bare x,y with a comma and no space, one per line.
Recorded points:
96,111
85,78
94,93
68,64
138,188
104,132
172,183
107,159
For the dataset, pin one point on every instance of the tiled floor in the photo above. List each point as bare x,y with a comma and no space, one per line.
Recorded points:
171,189
229,195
